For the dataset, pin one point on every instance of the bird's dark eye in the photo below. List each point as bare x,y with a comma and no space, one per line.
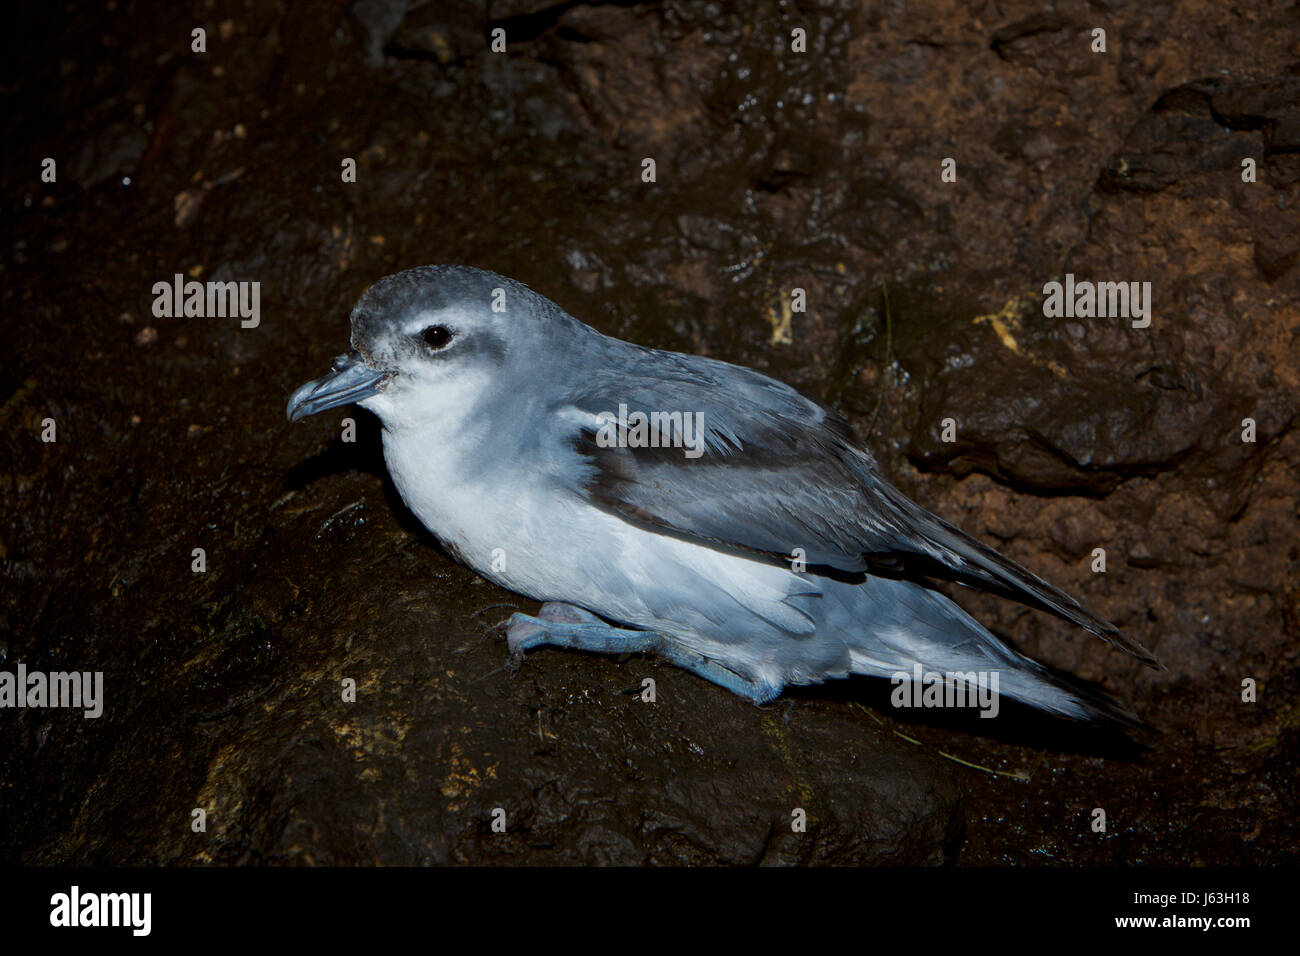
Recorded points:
437,337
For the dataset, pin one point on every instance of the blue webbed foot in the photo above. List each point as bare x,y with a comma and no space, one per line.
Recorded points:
564,625
759,691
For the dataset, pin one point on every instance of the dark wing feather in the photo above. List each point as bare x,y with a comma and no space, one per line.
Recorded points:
779,473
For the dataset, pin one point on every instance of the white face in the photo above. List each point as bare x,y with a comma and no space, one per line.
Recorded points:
429,345
443,363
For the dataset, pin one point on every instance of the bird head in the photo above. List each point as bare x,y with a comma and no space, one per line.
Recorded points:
427,342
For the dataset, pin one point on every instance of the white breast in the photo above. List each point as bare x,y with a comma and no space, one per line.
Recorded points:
547,543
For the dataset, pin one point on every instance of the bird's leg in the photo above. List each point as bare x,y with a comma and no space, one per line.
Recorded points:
563,625
759,691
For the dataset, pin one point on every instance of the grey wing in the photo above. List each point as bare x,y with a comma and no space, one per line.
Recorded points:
778,473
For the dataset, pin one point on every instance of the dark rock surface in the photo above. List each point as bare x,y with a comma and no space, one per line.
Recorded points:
774,170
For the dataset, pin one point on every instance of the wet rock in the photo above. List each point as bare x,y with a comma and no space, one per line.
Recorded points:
444,33
1009,41
776,171
1181,134
378,21
111,153
1272,106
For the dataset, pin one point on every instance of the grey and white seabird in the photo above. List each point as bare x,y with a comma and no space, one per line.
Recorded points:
769,552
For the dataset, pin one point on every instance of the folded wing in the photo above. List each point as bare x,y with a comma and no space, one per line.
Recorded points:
776,473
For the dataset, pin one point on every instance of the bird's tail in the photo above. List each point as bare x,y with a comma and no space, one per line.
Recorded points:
903,631
940,549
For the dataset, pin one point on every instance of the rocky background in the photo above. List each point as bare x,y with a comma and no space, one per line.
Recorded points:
775,170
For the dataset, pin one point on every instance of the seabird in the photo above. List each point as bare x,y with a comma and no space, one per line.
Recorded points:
660,502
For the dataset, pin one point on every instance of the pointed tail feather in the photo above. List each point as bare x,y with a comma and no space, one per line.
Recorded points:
901,624
956,555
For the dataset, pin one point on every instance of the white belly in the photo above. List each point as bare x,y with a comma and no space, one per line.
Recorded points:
544,542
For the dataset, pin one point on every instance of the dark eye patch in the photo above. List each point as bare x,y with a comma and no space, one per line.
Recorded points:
437,337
